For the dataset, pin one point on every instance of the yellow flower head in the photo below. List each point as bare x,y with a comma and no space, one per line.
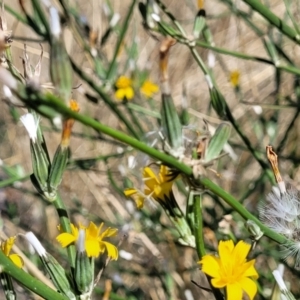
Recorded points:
94,244
231,269
159,187
235,78
124,88
6,247
149,88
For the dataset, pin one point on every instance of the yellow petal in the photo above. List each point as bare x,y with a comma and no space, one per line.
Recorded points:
148,88
17,260
240,252
111,249
234,291
139,202
249,286
129,192
123,82
250,270
129,93
138,198
110,232
7,245
210,265
65,239
219,283
225,250
120,94
74,230
164,173
235,78
92,231
149,174
92,248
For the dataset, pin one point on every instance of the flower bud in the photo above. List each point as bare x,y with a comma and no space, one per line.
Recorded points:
84,267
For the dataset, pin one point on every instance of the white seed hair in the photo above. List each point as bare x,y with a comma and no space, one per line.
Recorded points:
80,244
281,213
55,27
35,243
31,124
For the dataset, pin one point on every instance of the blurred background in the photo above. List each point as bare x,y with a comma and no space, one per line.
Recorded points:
264,103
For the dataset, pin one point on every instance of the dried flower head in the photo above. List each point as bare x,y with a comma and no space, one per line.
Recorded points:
281,211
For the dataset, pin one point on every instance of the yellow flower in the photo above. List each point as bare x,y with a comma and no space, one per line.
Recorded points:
94,244
124,88
231,270
235,78
6,247
149,88
158,187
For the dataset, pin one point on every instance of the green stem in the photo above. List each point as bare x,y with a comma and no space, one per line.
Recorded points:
247,142
199,237
120,41
265,12
11,67
12,180
198,225
15,14
28,281
135,120
66,226
241,210
51,101
38,9
172,18
105,98
231,119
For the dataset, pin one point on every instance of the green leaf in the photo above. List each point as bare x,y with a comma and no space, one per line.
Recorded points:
217,142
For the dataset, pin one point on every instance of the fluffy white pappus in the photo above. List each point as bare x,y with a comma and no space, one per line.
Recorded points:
31,124
285,207
281,213
292,249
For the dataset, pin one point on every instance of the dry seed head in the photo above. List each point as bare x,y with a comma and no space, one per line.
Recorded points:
281,211
272,157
